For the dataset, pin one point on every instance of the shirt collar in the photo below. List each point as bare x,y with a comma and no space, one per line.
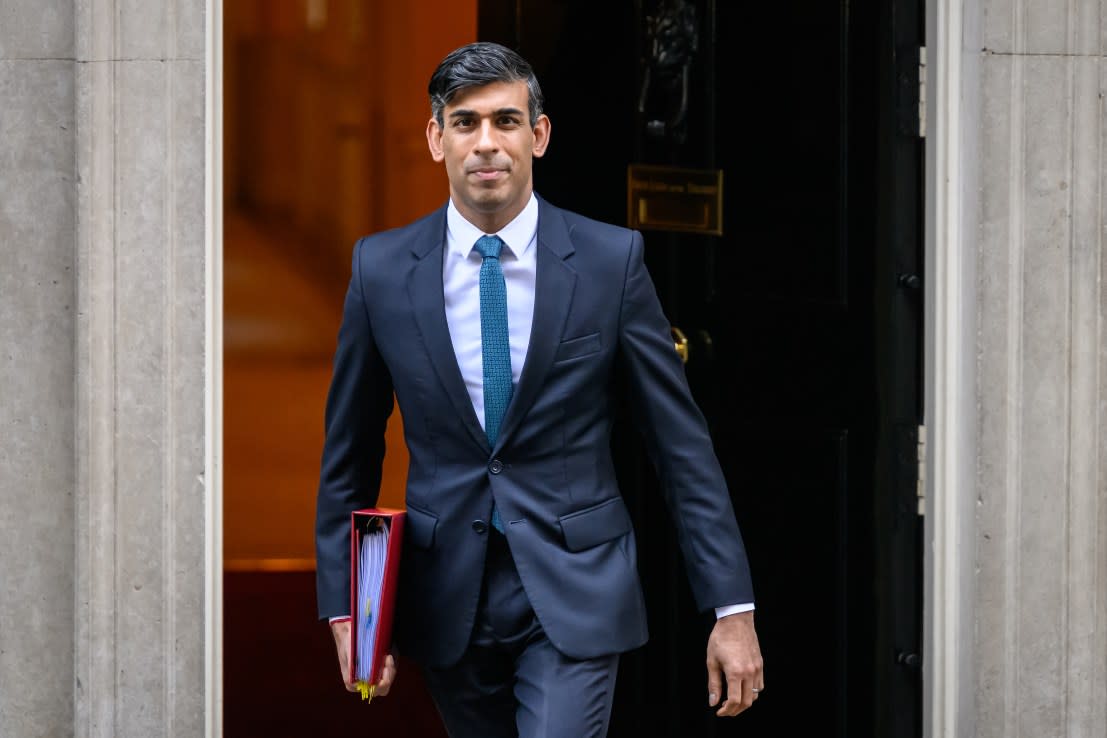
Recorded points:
461,235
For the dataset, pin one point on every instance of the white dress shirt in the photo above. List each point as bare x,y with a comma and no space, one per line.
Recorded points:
461,288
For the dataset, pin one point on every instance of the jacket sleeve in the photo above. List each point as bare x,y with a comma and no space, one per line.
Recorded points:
679,444
359,402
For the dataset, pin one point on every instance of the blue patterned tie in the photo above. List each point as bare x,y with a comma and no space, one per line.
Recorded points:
495,349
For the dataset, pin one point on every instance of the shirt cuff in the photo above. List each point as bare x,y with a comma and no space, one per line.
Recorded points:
722,612
339,618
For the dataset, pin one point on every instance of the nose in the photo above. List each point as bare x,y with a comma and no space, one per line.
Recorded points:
486,140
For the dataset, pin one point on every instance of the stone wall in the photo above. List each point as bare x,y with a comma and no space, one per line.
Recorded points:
38,323
1041,477
102,368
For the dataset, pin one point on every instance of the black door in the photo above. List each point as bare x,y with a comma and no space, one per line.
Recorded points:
803,324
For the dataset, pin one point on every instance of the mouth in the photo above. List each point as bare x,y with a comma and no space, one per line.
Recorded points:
487,174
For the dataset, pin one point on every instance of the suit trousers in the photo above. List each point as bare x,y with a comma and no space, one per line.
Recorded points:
511,681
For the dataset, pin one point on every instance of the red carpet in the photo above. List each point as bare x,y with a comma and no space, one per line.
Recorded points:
281,675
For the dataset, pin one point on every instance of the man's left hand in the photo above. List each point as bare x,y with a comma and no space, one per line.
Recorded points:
733,654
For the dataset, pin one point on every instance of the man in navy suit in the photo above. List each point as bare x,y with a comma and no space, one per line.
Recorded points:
518,583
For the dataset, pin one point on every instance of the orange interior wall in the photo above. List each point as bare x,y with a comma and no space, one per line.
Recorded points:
325,109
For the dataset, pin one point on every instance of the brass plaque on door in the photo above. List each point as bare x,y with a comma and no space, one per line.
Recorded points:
675,199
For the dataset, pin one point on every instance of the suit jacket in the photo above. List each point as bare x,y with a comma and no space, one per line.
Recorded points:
597,321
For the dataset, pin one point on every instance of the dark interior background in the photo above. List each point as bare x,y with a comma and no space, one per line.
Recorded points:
803,325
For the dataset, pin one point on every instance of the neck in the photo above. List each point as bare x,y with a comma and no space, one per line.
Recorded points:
491,221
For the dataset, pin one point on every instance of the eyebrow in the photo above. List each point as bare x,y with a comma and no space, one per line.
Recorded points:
473,113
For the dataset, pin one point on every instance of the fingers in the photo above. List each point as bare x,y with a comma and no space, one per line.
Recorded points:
739,699
340,629
714,684
388,675
741,692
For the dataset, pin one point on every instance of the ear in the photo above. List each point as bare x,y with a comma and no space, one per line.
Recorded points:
541,136
434,140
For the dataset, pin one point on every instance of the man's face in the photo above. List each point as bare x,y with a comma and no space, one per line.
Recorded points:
488,147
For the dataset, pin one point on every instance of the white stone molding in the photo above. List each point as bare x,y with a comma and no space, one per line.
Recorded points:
949,379
213,370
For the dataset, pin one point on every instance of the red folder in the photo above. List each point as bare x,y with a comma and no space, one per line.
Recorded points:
362,524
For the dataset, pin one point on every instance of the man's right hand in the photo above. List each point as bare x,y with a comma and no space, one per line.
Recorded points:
340,629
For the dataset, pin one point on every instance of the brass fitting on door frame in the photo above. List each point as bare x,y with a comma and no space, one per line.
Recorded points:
680,343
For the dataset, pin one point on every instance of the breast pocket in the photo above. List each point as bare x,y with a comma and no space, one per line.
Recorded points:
575,348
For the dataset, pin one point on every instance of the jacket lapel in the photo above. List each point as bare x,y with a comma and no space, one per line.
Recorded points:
424,289
554,283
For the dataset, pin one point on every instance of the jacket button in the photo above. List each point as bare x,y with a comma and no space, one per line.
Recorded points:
480,526
496,466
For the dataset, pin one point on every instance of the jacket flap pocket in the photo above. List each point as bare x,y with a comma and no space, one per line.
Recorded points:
419,527
595,525
576,347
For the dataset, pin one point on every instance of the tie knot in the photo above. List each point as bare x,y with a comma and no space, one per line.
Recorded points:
489,246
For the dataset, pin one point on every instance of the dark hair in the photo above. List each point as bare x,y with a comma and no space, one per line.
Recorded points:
477,64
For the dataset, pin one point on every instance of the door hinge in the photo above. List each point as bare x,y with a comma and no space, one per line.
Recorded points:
922,92
920,484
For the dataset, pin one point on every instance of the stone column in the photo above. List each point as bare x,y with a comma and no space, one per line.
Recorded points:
102,370
38,314
1041,292
140,368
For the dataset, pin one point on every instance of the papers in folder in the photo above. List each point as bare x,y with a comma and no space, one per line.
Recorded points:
374,550
375,539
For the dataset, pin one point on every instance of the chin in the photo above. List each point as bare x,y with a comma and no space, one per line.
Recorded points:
488,201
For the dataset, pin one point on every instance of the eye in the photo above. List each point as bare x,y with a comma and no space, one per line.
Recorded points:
509,121
463,122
